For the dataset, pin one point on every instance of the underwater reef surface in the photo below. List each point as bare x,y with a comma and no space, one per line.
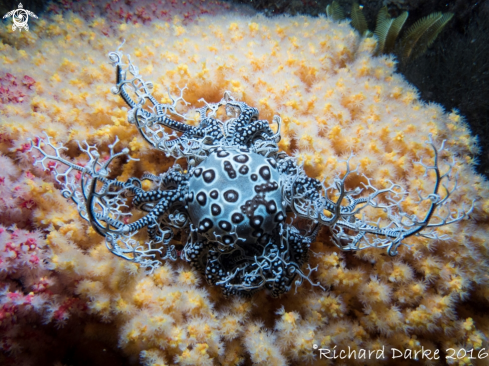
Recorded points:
453,72
65,299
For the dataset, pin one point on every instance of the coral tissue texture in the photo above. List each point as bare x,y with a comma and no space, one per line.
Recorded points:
334,98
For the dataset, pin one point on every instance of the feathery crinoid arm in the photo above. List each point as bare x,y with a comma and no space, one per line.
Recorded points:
147,114
343,210
101,201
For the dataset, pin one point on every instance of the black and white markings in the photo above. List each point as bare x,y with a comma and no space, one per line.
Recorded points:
228,168
216,209
244,170
231,196
201,198
209,176
242,158
237,218
265,172
238,191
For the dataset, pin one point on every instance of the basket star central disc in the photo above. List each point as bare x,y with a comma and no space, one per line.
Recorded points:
235,191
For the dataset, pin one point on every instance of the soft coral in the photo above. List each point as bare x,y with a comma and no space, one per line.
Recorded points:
11,91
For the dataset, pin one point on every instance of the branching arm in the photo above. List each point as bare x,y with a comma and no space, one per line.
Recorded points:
103,201
353,231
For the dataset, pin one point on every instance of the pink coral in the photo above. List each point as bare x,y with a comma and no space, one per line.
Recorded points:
30,291
13,90
130,11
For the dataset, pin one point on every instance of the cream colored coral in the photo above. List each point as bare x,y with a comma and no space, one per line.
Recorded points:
334,98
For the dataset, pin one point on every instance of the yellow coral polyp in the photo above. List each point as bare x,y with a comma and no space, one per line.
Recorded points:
136,144
187,278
